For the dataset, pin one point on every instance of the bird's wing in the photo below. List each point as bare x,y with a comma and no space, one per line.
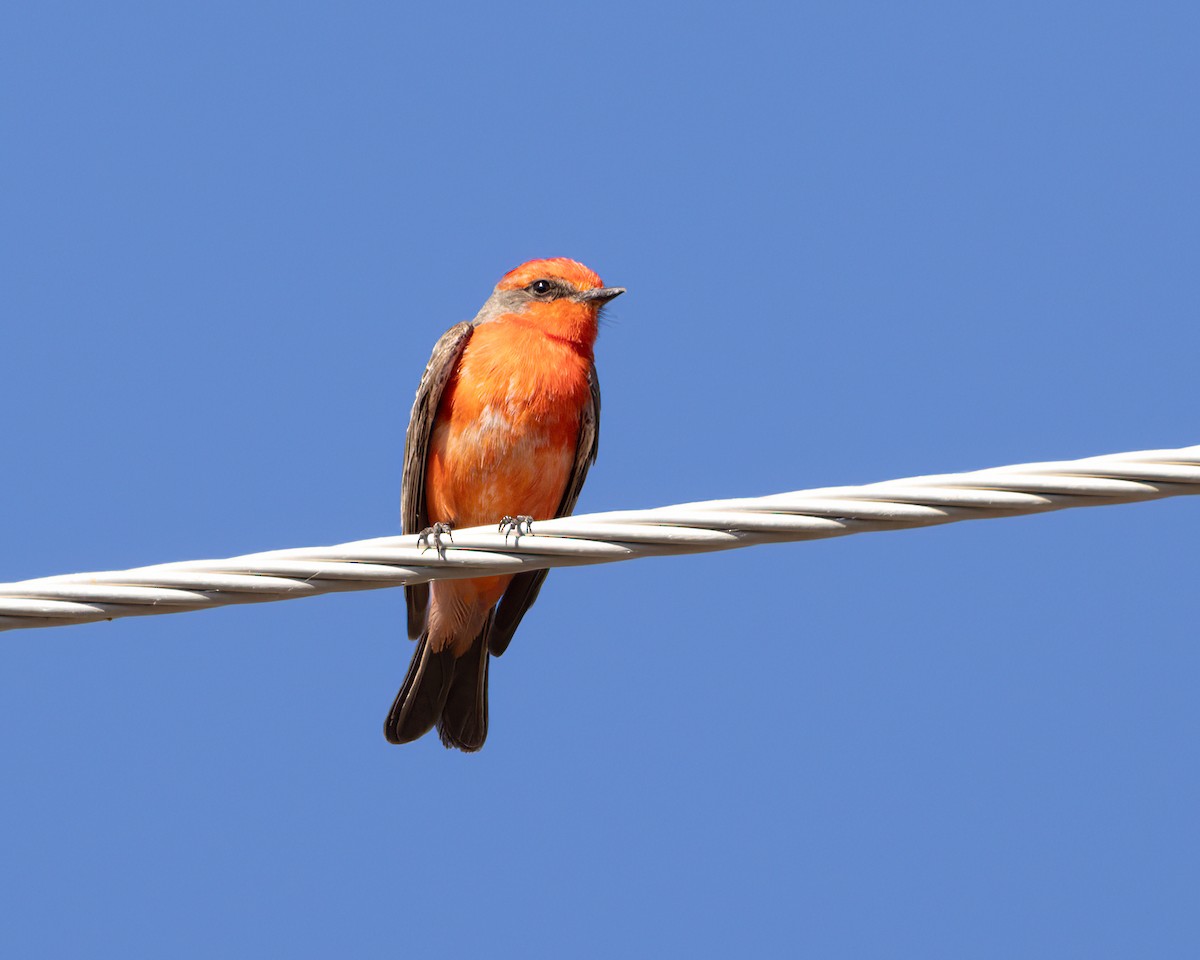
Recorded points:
414,515
524,588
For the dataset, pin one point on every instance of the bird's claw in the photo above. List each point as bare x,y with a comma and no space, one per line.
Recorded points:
519,526
432,537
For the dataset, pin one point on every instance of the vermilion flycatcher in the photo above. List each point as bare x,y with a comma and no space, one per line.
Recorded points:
504,427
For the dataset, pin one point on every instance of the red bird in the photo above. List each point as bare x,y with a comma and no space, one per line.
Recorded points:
505,425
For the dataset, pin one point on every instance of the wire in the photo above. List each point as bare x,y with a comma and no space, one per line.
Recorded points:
602,538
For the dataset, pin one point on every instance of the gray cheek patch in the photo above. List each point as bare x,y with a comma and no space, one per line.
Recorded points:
502,302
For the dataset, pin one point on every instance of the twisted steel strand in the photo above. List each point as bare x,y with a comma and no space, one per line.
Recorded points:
603,538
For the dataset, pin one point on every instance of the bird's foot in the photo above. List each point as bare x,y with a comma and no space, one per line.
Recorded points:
432,537
519,526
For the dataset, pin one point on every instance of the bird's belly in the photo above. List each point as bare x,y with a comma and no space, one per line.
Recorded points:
503,461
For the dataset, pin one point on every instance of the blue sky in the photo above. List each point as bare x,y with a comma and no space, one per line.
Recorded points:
861,241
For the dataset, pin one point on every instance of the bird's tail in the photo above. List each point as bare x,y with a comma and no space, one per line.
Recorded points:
443,690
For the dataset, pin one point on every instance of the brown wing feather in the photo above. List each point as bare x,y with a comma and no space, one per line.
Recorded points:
414,515
523,590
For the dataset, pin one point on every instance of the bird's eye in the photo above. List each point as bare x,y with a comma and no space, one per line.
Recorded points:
540,288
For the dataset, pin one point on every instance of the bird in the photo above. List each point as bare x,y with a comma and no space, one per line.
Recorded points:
504,428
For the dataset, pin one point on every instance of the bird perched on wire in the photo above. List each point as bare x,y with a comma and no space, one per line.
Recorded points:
504,427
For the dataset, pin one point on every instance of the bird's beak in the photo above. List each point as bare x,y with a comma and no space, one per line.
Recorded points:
600,296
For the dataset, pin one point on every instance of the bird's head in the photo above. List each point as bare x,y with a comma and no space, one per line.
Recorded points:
560,296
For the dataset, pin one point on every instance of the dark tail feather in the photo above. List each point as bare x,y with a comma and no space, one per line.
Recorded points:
418,705
464,721
445,690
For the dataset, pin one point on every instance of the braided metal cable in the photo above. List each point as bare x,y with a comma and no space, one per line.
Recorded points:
603,538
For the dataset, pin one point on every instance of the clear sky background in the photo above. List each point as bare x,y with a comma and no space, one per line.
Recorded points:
861,241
